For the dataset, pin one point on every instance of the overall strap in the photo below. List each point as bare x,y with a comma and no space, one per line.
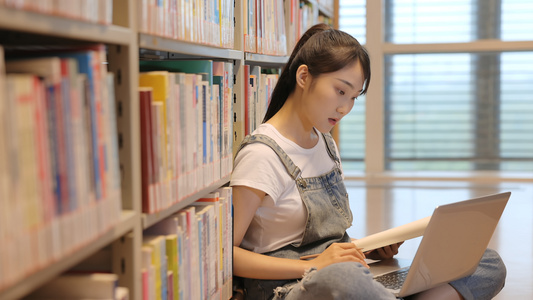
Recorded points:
330,145
292,169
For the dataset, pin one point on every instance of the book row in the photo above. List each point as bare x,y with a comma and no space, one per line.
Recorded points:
97,11
59,180
186,128
189,255
299,16
264,27
259,84
208,22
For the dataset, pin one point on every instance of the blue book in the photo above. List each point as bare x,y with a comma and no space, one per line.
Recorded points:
87,61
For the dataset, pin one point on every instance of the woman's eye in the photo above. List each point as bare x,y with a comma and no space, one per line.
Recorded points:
341,92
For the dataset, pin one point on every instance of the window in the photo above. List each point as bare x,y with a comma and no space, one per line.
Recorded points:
352,19
453,100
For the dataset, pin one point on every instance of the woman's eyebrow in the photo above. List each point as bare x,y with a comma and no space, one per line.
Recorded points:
347,83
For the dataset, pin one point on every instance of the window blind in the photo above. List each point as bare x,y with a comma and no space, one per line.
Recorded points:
517,20
430,21
453,111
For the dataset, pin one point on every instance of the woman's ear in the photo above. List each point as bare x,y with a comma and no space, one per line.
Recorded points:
302,75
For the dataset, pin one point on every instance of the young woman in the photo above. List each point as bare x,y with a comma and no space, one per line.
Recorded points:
288,190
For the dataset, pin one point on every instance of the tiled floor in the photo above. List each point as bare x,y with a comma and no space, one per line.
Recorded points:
381,206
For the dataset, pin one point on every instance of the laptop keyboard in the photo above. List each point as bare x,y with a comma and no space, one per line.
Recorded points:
393,280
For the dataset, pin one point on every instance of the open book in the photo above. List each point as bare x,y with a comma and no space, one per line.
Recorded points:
393,235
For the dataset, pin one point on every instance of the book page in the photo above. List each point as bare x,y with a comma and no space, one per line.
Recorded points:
393,235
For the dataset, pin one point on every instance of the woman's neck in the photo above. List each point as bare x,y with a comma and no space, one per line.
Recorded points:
292,125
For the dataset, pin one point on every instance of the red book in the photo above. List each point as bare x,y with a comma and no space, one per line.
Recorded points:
246,100
147,169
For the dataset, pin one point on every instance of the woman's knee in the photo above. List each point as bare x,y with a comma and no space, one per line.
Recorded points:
494,267
488,279
343,281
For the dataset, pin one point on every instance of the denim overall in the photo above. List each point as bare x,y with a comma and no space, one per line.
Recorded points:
328,217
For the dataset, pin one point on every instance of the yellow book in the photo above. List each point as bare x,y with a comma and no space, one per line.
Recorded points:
173,263
158,244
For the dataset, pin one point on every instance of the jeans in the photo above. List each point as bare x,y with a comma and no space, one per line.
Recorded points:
331,283
353,281
486,282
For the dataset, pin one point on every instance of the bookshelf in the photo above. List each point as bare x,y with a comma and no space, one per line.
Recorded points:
125,45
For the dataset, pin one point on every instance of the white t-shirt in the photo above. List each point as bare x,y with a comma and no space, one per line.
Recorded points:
281,217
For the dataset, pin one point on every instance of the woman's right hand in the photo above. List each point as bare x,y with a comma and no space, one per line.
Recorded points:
339,252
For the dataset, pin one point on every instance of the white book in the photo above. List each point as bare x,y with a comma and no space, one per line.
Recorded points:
199,135
192,132
227,233
185,283
171,116
229,102
195,292
207,248
177,132
216,136
255,113
210,206
157,134
182,134
16,258
112,149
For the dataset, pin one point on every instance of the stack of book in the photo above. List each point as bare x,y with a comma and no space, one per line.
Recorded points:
186,128
189,255
301,15
199,21
97,11
60,181
264,27
259,84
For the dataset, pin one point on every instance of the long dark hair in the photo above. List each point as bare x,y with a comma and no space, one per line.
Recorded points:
324,50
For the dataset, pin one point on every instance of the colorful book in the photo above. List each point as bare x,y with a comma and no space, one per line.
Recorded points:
159,262
159,82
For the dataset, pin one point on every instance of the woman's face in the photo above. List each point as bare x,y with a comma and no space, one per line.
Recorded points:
330,96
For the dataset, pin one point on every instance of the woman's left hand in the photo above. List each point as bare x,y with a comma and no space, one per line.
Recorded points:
384,252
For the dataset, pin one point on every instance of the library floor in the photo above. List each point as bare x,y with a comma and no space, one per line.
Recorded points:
379,207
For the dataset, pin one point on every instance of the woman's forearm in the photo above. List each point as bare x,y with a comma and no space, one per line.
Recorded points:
254,265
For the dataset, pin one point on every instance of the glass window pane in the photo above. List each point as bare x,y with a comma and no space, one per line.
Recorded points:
517,20
449,111
516,131
413,22
352,137
459,111
352,18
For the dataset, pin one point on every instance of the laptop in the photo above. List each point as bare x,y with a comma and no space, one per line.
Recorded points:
451,248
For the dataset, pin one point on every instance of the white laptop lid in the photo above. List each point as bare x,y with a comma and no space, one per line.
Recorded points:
454,242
